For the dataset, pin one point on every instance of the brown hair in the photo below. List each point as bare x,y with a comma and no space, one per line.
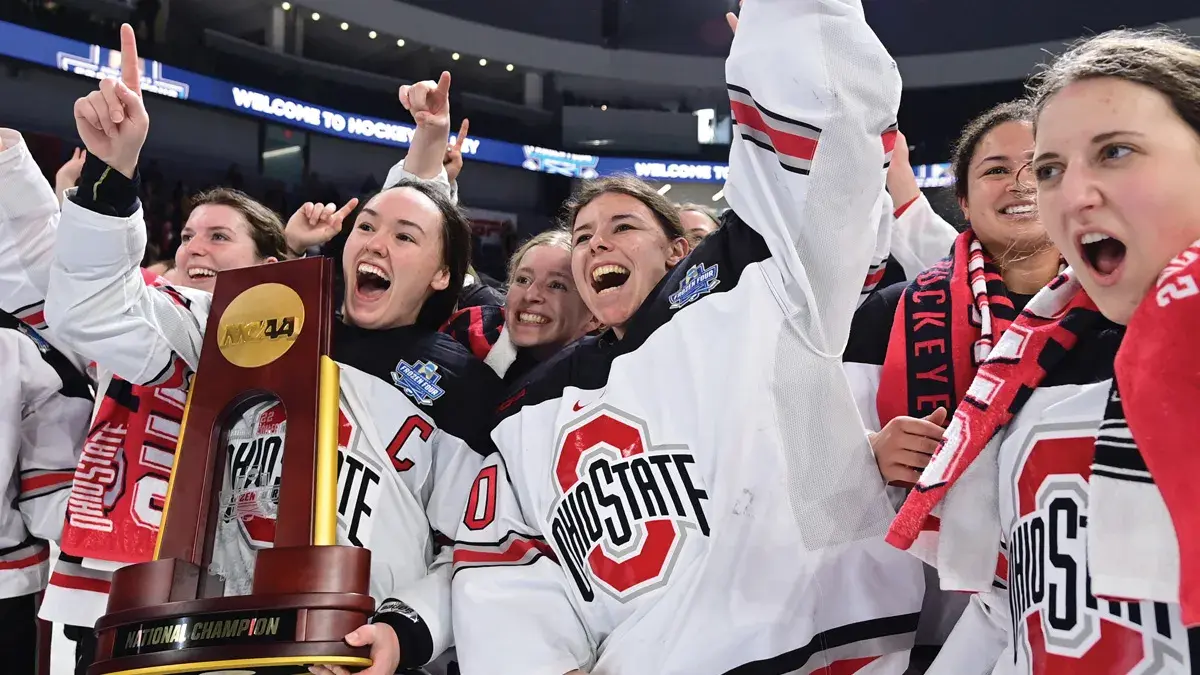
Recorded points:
264,225
552,237
1160,59
706,211
666,213
456,252
1020,110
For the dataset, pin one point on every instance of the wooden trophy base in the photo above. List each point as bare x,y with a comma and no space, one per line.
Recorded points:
304,600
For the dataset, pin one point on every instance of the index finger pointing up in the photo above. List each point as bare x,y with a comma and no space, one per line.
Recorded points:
130,74
462,134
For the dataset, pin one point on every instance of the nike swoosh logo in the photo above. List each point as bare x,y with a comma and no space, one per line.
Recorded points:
577,407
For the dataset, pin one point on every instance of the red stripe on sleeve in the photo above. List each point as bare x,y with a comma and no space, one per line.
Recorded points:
784,142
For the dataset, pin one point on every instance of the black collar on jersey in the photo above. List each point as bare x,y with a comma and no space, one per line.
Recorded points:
74,383
470,388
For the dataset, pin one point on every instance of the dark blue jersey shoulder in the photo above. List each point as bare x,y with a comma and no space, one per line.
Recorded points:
712,268
434,371
74,383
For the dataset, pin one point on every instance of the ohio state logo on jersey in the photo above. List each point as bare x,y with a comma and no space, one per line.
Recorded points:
255,469
625,507
1057,623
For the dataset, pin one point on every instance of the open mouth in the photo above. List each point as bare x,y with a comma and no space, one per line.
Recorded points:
531,318
608,278
1103,253
371,281
200,273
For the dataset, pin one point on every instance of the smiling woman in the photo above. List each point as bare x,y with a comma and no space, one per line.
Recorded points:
226,230
626,237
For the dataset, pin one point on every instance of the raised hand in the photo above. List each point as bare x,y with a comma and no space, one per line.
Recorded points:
112,121
429,102
454,158
314,224
68,174
732,19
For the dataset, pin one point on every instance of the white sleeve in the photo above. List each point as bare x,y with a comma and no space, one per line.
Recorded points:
920,237
100,305
54,422
455,466
28,220
513,612
814,95
979,638
441,181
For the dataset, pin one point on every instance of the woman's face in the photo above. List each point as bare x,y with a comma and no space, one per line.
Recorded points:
215,238
1118,174
392,261
1002,214
544,306
620,254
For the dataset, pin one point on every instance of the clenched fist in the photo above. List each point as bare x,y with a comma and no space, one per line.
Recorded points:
905,446
112,121
429,102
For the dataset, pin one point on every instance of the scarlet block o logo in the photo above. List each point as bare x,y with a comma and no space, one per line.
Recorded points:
625,506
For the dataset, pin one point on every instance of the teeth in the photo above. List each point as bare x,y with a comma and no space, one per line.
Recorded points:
194,272
1019,209
607,269
1093,237
368,268
527,317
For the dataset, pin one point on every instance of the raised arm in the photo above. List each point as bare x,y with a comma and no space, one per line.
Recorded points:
97,300
429,104
814,95
28,228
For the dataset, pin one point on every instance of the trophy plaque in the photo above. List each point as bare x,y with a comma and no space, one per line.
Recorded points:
268,336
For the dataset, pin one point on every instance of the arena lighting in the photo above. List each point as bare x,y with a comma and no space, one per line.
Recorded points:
281,152
483,62
345,26
456,56
664,189
316,16
372,35
400,42
93,62
286,6
719,196
509,67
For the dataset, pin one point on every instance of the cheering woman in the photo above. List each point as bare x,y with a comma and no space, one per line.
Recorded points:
403,263
686,468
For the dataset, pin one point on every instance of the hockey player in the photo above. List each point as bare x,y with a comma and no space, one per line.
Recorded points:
544,311
45,404
692,491
1095,508
409,394
909,368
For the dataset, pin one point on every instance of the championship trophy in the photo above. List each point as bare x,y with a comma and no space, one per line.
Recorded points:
268,336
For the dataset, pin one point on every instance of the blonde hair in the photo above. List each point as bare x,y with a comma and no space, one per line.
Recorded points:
552,237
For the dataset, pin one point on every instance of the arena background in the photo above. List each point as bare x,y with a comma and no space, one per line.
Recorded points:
296,101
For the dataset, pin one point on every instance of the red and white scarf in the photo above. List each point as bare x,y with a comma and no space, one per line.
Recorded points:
962,538
1144,509
946,324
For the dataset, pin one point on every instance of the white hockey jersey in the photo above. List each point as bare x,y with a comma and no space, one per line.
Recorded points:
411,401
1047,622
45,404
699,497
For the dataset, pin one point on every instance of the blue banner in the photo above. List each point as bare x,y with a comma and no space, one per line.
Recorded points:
97,62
